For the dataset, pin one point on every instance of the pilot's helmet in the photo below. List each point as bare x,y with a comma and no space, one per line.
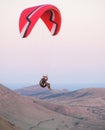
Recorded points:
45,77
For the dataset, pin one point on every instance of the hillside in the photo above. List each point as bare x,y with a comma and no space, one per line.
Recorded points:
30,113
23,111
6,125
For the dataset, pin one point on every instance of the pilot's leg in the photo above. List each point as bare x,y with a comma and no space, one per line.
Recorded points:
48,85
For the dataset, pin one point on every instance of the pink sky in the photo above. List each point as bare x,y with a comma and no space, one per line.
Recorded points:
75,55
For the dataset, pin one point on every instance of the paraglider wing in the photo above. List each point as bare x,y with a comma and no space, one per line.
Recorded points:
48,13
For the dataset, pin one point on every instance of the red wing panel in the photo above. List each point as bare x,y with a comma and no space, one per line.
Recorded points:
48,13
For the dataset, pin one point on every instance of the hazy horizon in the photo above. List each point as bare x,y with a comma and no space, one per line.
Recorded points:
70,87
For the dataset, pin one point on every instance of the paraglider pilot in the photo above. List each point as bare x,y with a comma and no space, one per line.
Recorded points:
43,82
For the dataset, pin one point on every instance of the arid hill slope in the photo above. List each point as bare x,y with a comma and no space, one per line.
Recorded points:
70,113
29,113
6,125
